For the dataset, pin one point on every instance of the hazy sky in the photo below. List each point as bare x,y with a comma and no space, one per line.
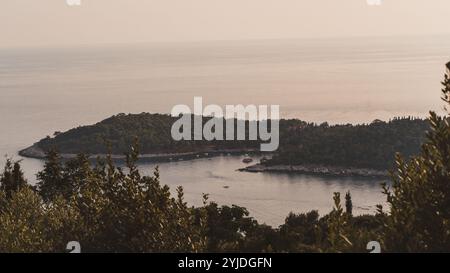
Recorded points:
53,22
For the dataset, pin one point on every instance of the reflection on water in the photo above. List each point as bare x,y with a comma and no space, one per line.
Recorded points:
268,197
336,80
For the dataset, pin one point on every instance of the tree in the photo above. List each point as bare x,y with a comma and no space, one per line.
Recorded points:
12,178
419,198
348,203
116,209
23,225
338,227
111,209
301,232
227,227
50,179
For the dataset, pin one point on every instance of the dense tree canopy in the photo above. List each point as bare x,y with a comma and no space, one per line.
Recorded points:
115,209
361,146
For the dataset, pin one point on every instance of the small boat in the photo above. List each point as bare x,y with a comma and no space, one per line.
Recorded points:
247,160
264,160
226,187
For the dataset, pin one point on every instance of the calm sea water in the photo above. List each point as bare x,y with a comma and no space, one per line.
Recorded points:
336,80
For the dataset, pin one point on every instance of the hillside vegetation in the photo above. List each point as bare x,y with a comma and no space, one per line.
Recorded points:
364,146
107,208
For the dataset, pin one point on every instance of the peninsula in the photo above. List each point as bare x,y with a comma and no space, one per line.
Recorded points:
365,149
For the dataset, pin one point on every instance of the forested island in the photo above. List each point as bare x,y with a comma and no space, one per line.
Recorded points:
346,150
117,209
366,149
114,136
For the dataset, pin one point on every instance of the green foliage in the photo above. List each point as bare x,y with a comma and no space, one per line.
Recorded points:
362,146
227,227
23,223
104,207
50,178
348,204
420,195
12,179
120,131
338,227
301,232
115,209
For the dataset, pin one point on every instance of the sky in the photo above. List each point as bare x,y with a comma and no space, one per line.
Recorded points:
29,23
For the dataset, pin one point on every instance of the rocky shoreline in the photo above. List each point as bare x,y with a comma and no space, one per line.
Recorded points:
316,170
37,153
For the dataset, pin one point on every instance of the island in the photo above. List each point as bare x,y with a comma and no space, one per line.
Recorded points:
344,149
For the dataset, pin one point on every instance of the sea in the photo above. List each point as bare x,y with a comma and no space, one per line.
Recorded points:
337,80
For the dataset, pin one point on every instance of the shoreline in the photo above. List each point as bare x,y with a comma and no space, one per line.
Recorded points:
37,153
316,170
